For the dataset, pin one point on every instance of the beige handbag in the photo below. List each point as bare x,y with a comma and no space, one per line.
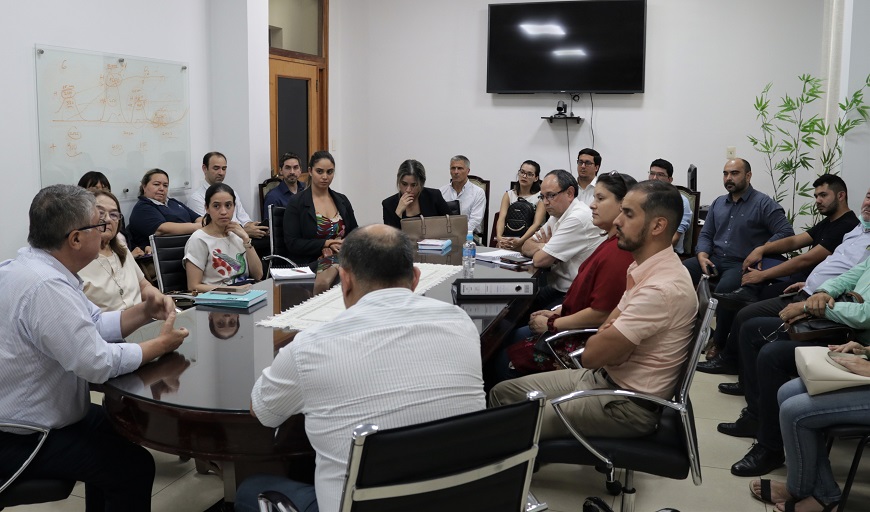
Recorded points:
452,227
821,374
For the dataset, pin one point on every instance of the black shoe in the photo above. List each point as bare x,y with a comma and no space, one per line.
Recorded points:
745,426
717,365
731,388
759,461
739,298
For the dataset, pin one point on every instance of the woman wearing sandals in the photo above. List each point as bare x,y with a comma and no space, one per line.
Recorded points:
810,485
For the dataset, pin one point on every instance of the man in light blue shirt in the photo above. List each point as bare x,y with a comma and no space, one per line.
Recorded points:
54,342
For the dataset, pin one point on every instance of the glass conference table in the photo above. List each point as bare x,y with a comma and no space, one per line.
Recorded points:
195,402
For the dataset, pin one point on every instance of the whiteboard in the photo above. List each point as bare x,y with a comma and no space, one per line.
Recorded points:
115,114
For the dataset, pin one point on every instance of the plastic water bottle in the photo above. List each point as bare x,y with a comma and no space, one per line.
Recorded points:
469,252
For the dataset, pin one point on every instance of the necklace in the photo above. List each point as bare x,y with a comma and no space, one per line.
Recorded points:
111,270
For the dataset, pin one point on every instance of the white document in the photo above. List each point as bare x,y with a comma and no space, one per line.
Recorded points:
291,273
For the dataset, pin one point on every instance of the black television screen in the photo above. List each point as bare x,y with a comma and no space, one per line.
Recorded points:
579,46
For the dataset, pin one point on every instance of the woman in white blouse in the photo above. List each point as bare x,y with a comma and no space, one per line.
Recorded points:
220,252
113,281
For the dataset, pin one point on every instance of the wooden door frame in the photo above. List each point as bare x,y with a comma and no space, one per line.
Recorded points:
322,63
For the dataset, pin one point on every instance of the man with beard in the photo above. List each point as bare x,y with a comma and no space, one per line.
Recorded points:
832,202
289,169
642,346
736,223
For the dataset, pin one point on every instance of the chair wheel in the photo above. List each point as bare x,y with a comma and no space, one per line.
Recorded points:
614,488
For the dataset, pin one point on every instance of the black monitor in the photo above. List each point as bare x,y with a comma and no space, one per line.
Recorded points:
579,46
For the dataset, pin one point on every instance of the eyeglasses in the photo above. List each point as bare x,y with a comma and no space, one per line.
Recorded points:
113,216
524,174
658,174
585,163
550,196
99,227
783,327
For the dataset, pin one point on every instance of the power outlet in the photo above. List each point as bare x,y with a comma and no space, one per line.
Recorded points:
731,152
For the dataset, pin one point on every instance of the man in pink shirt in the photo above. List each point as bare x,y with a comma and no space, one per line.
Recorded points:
644,343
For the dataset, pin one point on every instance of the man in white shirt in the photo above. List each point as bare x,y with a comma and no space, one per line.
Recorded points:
472,200
54,341
214,169
393,358
565,240
588,164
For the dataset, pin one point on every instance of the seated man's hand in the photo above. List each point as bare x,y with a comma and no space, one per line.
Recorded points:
796,287
706,265
137,251
171,338
850,347
817,303
538,324
157,305
752,276
793,312
753,258
256,230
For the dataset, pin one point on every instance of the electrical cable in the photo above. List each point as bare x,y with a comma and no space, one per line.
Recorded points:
591,116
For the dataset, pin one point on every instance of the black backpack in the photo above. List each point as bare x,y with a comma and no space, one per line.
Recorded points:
519,218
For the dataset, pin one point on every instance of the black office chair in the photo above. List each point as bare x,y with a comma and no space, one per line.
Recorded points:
168,254
480,462
277,248
690,239
862,433
672,451
26,491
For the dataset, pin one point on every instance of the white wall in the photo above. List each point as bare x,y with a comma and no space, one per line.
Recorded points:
408,80
229,106
856,155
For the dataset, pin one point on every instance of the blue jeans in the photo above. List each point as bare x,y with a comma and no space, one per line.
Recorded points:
802,418
302,495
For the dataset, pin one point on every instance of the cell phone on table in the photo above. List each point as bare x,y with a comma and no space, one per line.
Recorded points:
229,290
789,295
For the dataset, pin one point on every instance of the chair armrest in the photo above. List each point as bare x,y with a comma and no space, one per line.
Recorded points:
43,435
278,256
560,337
268,499
586,393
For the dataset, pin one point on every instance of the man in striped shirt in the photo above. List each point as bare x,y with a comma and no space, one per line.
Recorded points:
393,358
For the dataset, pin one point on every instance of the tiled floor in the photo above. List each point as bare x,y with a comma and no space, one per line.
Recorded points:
178,488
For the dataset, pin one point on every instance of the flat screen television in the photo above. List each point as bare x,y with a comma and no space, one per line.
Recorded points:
577,46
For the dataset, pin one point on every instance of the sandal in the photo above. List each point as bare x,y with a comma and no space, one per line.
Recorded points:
789,505
764,495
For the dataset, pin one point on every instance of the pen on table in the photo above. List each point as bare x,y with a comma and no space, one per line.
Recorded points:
297,270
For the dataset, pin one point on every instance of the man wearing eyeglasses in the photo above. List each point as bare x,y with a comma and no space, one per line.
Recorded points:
565,240
662,170
289,169
54,341
588,164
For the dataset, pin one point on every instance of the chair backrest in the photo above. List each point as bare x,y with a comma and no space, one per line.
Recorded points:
492,241
168,253
277,249
700,334
458,460
265,187
484,225
691,237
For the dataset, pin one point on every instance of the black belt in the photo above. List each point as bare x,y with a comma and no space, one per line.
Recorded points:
640,402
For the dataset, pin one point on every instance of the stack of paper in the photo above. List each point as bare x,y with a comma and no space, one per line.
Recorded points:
291,273
496,255
433,245
231,300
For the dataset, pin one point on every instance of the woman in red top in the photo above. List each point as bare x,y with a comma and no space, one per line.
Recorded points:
593,294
